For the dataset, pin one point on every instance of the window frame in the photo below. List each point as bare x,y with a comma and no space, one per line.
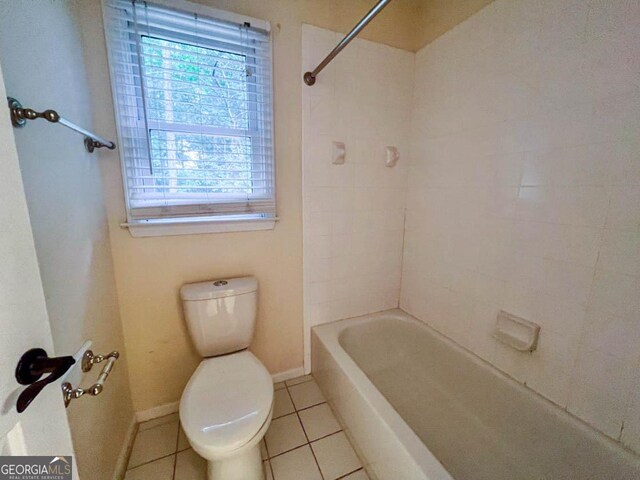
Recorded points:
194,128
189,223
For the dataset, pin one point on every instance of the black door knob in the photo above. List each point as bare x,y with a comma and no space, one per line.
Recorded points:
33,364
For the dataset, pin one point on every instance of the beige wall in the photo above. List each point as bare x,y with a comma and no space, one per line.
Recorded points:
436,17
524,195
149,271
66,205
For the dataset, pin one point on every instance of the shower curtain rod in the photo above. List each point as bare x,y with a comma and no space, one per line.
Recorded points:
310,77
20,115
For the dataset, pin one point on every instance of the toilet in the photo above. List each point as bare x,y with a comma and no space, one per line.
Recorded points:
226,407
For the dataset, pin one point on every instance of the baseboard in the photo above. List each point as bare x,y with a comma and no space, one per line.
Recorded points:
125,453
288,375
169,408
155,412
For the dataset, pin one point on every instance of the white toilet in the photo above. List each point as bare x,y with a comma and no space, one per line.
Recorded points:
227,405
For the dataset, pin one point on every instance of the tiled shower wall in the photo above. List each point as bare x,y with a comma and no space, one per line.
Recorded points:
524,195
353,213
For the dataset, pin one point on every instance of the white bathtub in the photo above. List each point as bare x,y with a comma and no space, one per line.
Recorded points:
417,406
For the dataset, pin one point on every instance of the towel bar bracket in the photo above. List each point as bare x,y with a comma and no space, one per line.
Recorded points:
20,115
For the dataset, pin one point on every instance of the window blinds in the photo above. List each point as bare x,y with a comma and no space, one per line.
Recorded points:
193,100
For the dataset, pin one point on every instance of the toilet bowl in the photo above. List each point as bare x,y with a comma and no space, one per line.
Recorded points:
225,411
226,407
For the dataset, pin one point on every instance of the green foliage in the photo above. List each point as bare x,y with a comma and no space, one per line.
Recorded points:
192,91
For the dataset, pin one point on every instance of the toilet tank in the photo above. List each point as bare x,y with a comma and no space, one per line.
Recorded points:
221,314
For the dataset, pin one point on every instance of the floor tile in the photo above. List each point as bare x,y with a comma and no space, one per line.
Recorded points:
298,464
306,395
359,475
319,421
267,470
278,386
159,470
183,441
282,404
298,380
157,422
154,443
335,456
190,466
285,433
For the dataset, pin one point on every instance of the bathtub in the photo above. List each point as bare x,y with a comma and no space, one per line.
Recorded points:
417,406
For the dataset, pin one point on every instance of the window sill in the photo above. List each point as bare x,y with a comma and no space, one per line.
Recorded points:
192,226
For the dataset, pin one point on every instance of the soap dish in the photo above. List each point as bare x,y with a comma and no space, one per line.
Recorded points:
516,332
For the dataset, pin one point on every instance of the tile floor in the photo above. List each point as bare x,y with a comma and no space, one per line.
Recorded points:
304,442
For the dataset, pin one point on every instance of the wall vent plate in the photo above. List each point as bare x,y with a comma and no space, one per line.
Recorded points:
516,332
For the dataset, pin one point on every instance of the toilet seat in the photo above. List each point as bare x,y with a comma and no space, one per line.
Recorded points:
226,403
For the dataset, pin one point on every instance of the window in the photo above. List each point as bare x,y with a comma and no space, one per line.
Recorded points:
193,104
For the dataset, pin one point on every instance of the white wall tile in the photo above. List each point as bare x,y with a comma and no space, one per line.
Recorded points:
624,208
353,215
631,432
524,194
617,294
520,173
620,252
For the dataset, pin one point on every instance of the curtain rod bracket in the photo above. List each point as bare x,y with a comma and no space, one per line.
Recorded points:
310,77
20,115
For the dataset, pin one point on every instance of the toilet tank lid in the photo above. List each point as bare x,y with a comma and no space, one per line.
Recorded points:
224,287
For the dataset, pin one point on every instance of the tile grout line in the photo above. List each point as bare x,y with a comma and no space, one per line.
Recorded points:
310,406
325,436
268,459
305,433
286,387
299,383
288,451
308,441
325,402
350,473
302,409
309,444
138,431
266,447
150,461
175,460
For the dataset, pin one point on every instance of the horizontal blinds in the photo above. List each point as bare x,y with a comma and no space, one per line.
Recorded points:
194,111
